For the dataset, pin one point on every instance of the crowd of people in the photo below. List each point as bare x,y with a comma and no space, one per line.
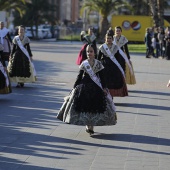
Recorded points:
104,73
157,42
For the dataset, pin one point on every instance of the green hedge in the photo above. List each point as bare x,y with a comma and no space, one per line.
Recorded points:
137,48
70,38
134,48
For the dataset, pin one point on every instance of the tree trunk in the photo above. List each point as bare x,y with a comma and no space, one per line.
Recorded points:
161,12
154,11
104,26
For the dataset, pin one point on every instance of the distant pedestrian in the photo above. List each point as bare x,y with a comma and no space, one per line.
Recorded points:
162,42
122,42
113,68
21,69
148,42
89,38
157,45
5,86
89,102
167,52
6,41
167,39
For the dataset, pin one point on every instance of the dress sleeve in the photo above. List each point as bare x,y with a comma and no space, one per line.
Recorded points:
99,55
1,59
29,49
126,50
82,37
102,78
13,49
9,38
79,78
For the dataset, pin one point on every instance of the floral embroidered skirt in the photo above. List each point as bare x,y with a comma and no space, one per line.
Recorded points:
72,114
20,69
130,77
4,88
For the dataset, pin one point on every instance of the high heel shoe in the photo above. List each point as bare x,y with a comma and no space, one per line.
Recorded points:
22,84
18,85
89,130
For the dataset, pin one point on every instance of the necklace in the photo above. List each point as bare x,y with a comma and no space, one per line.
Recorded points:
21,37
91,62
109,45
117,38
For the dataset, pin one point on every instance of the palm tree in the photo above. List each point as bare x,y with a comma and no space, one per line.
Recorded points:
11,4
104,8
138,7
154,11
161,11
162,4
157,10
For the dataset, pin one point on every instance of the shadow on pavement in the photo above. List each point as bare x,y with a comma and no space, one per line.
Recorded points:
27,118
143,106
148,92
144,114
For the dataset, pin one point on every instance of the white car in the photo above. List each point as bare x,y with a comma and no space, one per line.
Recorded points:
46,32
28,33
46,29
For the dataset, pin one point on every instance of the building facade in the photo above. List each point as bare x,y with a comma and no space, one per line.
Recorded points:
69,10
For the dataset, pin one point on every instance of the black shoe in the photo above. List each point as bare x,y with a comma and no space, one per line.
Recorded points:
22,84
90,131
18,85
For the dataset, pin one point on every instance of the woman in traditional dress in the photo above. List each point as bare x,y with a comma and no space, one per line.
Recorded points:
167,40
162,42
114,74
87,39
5,40
89,102
167,52
5,86
20,68
126,64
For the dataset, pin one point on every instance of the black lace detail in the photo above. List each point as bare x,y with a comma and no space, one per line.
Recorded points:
89,98
2,80
20,66
113,75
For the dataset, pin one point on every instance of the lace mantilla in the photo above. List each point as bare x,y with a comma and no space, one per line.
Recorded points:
122,40
96,67
25,40
113,49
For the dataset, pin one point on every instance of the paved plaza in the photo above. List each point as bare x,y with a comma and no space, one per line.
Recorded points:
31,138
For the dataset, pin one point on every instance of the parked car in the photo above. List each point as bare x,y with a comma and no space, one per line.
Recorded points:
28,32
46,33
46,30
